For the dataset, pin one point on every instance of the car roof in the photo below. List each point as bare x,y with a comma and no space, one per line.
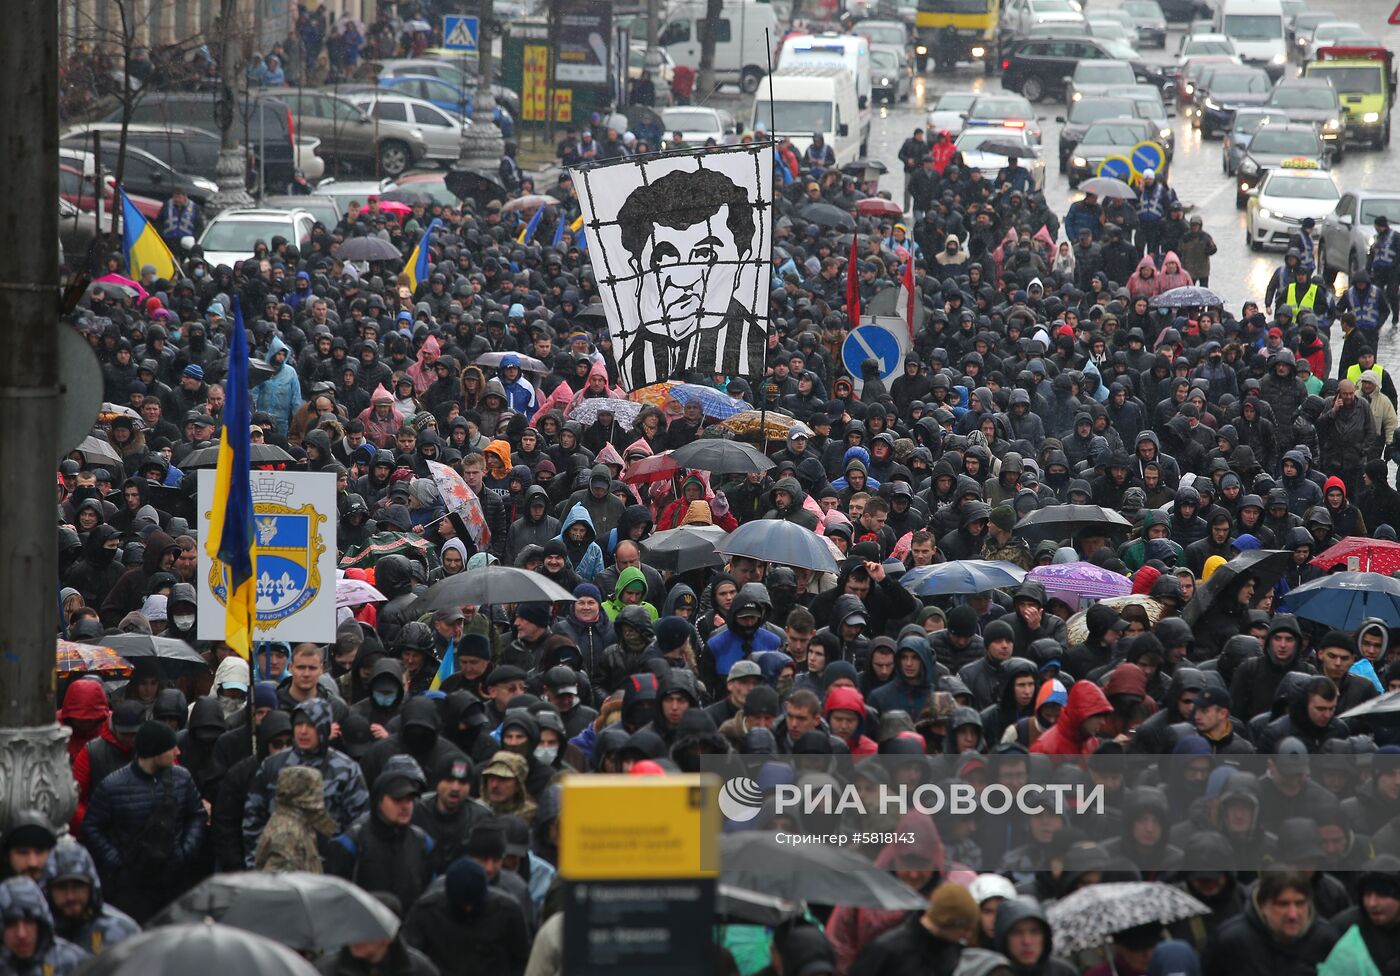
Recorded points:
1302,83
1100,62
1292,127
259,215
1310,174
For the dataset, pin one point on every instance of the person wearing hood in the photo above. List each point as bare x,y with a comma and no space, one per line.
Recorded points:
635,631
419,736
1312,710
130,591
863,576
347,797
106,753
279,395
787,500
1030,621
274,734
742,636
80,914
1278,931
97,570
291,839
630,590
1256,681
31,947
1376,917
383,850
207,722
1145,840
393,576
1077,729
1024,937
1015,698
85,711
913,683
466,925
844,710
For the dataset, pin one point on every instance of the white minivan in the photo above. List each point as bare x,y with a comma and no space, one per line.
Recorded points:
831,49
743,34
1256,27
808,100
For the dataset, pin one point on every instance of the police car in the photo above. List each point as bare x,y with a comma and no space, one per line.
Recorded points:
1296,189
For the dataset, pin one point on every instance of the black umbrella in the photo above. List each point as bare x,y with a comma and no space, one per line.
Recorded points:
858,166
97,452
1017,150
594,313
1267,566
683,549
782,543
827,215
492,585
817,873
1064,521
721,456
477,185
171,653
753,908
306,912
205,948
368,248
208,457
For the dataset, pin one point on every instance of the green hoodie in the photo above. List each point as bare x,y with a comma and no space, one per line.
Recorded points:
633,577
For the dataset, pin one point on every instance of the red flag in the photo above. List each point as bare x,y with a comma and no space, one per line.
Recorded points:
853,283
906,295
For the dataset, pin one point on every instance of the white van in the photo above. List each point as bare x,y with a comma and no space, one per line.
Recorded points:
810,99
835,50
744,32
1257,29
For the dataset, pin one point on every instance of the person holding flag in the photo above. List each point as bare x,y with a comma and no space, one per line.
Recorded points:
528,233
853,283
419,264
142,246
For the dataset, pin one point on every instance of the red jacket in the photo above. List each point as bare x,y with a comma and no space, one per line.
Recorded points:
850,700
85,700
1086,700
82,774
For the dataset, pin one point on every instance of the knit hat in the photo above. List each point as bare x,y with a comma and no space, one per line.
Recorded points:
466,885
998,630
671,633
195,370
154,739
962,621
535,613
952,907
1004,517
588,590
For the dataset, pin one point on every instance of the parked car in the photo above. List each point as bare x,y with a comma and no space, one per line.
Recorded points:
75,185
144,173
350,141
440,132
230,236
1345,234
457,70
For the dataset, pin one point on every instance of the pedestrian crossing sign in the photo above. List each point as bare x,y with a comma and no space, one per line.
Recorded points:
460,33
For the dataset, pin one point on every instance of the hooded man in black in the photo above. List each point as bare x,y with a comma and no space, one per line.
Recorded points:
384,850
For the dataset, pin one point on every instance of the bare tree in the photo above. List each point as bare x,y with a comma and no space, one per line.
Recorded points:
705,78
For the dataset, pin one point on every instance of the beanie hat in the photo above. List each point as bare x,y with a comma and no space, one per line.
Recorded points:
1004,517
195,370
671,633
265,695
998,630
535,613
962,621
588,590
153,739
1051,692
466,885
487,839
952,907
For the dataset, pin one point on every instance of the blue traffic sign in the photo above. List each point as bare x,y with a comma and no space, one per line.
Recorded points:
1147,155
872,342
1117,167
460,33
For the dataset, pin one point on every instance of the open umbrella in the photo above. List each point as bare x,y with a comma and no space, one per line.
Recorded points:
625,412
479,186
879,207
686,548
73,658
645,470
657,395
1108,188
1066,521
302,911
1371,555
1009,149
720,456
204,948
1089,917
1080,581
1077,627
527,364
827,215
1187,296
208,457
529,203
1267,566
172,653
744,907
857,167
818,873
712,401
754,424
354,593
368,248
782,543
962,576
1342,600
97,452
395,207
1387,704
494,584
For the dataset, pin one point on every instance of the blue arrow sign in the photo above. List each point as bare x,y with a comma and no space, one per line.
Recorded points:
460,33
1147,155
1117,167
872,342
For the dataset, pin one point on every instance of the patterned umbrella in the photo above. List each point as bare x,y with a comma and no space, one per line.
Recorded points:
1078,581
714,403
354,593
1372,555
962,576
73,658
658,395
777,425
1187,296
1089,917
625,412
1077,626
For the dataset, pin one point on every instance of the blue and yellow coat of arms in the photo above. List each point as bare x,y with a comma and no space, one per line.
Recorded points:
289,550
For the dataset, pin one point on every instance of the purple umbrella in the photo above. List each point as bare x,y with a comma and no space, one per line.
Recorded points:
1073,582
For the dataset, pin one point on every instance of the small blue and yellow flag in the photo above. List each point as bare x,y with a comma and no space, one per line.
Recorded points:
142,245
577,228
418,264
231,539
558,232
448,667
531,227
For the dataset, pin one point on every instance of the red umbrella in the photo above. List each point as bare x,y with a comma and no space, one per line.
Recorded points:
1372,555
658,467
878,207
394,207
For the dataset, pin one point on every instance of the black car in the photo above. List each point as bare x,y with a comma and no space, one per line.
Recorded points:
265,124
145,173
1038,67
1083,114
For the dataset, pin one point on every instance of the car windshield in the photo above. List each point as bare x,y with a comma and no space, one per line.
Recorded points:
790,117
1301,188
1378,206
1284,142
1208,47
1053,7
1239,83
1113,135
1326,32
1000,108
1093,109
883,34
1247,123
1144,8
1297,97
954,103
1254,27
689,120
1353,80
1119,49
884,60
1103,73
973,139
240,236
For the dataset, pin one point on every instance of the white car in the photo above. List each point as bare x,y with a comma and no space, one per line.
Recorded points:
1336,33
949,111
1276,210
229,238
441,133
989,163
1194,45
697,124
360,191
636,63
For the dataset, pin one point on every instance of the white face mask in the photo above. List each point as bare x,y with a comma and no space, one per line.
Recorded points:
546,754
183,621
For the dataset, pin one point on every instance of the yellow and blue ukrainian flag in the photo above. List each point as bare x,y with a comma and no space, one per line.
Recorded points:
142,245
418,266
447,668
529,232
231,534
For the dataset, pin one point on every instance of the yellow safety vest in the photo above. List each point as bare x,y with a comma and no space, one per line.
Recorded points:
1354,371
1309,296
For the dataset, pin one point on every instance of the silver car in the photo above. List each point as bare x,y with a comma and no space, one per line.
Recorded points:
1345,234
440,132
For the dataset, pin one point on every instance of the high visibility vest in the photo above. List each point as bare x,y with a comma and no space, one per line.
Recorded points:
1354,371
1309,296
1366,307
1384,254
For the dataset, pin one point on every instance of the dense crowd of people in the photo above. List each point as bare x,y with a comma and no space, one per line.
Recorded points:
1041,375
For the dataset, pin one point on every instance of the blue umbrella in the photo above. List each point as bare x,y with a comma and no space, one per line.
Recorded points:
781,543
962,576
1343,600
1187,296
714,403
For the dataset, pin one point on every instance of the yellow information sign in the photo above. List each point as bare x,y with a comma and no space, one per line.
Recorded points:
638,827
563,105
534,86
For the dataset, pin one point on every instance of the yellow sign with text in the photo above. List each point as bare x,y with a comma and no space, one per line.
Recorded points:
563,105
534,86
638,827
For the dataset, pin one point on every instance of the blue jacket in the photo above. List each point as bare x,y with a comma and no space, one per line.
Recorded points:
590,564
120,808
280,395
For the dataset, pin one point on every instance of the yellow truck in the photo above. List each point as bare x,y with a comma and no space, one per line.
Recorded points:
949,31
1364,79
